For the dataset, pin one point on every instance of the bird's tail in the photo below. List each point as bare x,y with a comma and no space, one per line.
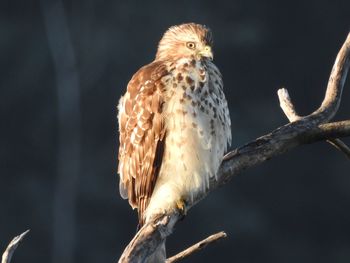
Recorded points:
141,209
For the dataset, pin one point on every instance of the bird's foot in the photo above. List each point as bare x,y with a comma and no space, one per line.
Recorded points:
181,207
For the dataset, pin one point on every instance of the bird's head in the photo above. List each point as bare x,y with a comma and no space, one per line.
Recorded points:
186,40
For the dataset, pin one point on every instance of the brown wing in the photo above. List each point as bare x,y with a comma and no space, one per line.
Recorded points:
142,131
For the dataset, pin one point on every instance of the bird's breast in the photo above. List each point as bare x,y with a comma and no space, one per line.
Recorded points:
195,137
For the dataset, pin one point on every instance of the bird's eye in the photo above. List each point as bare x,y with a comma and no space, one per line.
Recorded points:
191,45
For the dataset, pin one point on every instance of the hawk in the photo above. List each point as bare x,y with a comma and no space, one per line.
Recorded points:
174,124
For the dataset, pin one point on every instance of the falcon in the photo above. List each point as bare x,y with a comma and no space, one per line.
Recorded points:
174,125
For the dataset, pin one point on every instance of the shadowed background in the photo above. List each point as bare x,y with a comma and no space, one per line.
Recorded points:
64,66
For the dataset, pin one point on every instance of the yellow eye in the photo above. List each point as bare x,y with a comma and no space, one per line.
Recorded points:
191,45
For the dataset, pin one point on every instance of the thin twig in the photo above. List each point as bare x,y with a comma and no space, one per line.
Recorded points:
340,145
287,105
196,247
289,110
7,255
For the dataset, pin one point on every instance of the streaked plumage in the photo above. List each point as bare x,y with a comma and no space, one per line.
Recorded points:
174,124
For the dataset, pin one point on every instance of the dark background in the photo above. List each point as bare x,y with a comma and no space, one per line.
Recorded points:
64,65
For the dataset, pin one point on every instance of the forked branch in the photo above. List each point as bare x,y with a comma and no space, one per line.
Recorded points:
289,110
301,130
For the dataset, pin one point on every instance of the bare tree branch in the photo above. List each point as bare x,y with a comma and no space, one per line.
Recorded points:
340,145
196,247
287,105
7,255
289,110
305,130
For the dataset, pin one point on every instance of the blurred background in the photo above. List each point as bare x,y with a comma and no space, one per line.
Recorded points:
64,66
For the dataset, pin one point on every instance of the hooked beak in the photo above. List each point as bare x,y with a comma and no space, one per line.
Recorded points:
206,52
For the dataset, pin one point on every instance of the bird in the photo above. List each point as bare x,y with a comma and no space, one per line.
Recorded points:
174,125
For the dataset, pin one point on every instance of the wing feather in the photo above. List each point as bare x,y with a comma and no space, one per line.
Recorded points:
142,130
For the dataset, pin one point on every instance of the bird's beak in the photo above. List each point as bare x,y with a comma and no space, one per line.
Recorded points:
206,52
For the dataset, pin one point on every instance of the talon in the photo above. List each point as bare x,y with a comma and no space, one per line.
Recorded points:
181,206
